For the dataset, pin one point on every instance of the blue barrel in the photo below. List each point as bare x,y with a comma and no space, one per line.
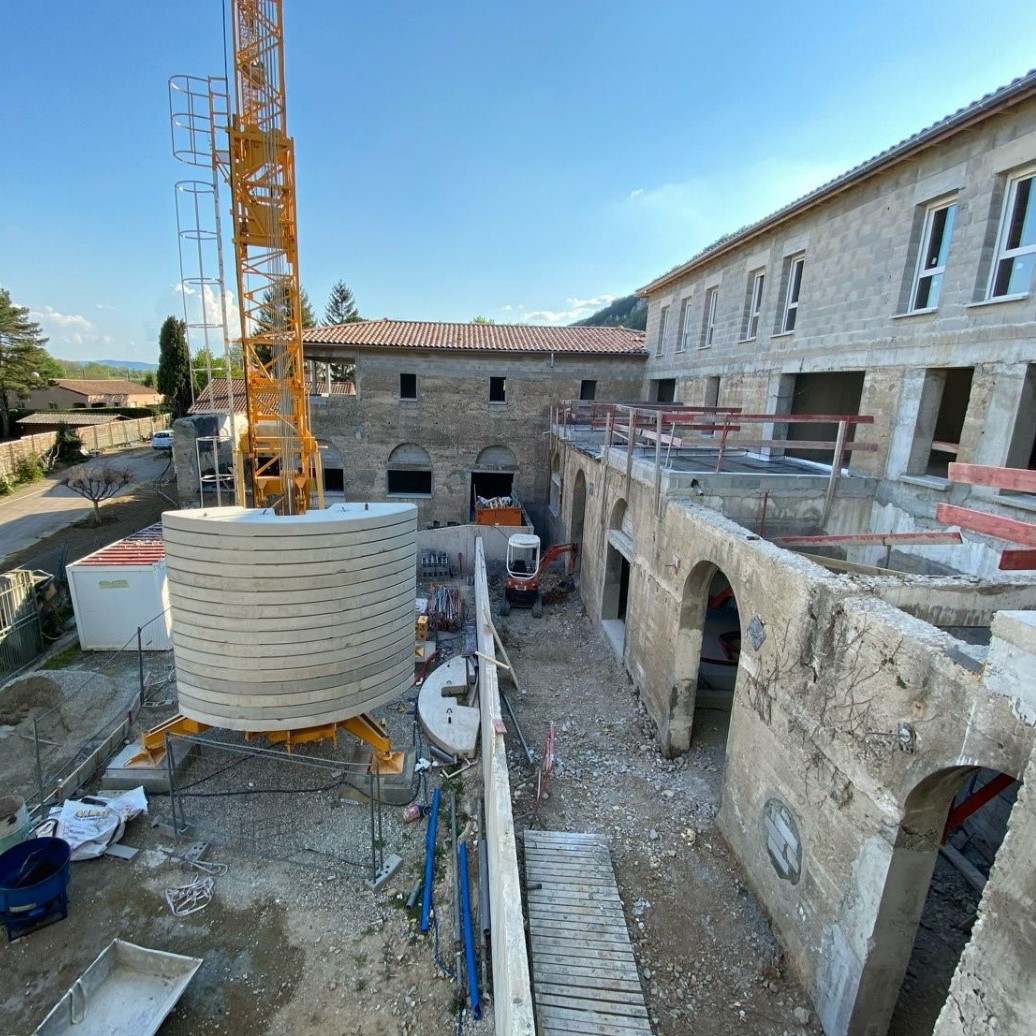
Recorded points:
33,882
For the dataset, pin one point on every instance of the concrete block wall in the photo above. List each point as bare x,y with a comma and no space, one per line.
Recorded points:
453,420
860,250
815,729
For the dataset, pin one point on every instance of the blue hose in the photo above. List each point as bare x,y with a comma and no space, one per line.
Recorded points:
469,943
429,861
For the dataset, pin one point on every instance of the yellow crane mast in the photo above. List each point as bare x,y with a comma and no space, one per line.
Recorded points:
283,457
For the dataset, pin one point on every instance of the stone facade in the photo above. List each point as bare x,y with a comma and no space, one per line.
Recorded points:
454,422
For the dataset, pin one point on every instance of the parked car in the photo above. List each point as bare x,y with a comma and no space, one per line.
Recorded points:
162,440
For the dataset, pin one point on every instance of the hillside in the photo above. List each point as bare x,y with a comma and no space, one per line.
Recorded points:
131,370
629,311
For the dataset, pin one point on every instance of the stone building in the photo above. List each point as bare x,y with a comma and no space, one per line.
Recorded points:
72,393
444,412
764,529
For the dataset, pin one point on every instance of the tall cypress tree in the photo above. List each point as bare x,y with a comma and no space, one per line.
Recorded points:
174,365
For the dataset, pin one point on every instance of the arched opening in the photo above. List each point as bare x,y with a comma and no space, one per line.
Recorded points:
575,527
953,823
617,568
333,467
705,663
409,471
492,476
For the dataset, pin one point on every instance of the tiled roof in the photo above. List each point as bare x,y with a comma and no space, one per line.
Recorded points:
507,338
106,387
141,548
1014,92
214,396
73,418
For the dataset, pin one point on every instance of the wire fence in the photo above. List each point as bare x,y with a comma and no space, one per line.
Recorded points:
78,716
297,808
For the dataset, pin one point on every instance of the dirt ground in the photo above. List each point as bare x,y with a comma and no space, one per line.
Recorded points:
708,961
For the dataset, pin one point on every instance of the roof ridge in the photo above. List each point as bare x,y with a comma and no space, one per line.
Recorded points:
988,101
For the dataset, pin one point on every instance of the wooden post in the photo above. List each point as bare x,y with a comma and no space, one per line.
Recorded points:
658,459
836,471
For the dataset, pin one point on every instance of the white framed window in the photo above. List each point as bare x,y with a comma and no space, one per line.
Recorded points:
685,326
754,306
708,328
663,319
791,298
931,259
1015,256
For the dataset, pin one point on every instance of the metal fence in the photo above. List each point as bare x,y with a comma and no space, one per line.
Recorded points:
21,631
80,717
302,808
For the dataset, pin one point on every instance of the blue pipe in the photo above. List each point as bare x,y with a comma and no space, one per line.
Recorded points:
429,861
469,943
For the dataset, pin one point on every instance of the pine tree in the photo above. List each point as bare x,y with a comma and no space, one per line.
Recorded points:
174,365
272,314
24,363
341,306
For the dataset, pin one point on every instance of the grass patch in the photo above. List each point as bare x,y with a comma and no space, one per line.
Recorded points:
63,659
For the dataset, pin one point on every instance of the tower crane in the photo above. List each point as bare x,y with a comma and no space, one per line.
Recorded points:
282,454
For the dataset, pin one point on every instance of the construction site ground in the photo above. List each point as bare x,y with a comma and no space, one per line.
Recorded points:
302,949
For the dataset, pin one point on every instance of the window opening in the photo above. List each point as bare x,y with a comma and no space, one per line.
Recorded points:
1016,241
754,307
663,319
684,336
791,305
408,386
709,327
587,389
931,260
498,390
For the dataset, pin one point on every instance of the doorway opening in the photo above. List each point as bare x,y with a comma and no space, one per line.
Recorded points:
575,533
705,664
615,596
953,823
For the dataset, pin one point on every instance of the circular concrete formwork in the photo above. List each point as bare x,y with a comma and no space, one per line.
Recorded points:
282,622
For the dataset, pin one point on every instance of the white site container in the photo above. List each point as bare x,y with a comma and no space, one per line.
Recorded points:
120,587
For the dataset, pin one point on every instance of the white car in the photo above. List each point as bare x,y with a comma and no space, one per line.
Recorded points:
162,440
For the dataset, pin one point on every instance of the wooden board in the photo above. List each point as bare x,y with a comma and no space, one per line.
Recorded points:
1022,480
584,973
1009,529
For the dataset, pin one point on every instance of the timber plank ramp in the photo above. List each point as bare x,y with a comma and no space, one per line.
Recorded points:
584,975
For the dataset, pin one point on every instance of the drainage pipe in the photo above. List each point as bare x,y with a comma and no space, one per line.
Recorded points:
429,861
483,888
458,974
469,945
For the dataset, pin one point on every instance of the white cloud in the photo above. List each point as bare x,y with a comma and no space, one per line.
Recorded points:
102,305
205,315
702,208
577,309
65,331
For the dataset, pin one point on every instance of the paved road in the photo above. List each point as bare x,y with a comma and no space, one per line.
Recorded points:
45,507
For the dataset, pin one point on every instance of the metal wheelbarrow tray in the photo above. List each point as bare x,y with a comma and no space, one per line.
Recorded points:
127,991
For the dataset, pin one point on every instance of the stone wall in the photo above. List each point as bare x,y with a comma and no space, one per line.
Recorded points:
853,722
453,420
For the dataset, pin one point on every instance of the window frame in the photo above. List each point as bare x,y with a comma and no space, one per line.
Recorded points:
684,333
1002,253
921,272
407,374
708,327
502,398
663,319
753,314
792,293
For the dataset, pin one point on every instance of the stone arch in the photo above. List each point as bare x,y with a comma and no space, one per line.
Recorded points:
618,567
888,936
577,515
706,651
554,501
409,471
496,458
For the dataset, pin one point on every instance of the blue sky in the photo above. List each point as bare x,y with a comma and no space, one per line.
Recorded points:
522,161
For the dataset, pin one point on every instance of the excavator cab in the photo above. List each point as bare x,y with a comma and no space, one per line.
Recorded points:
525,568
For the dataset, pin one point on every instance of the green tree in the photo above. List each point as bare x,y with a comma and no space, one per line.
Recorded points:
341,306
97,482
272,314
174,365
24,363
148,379
482,320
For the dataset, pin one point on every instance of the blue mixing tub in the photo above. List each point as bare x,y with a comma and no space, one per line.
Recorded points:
34,884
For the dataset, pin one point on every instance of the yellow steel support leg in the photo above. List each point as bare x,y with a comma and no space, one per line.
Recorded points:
152,742
368,729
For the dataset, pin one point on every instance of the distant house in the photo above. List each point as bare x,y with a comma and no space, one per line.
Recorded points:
216,395
49,421
75,394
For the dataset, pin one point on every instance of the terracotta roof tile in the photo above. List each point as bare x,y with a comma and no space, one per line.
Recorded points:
74,418
106,387
140,548
507,338
214,396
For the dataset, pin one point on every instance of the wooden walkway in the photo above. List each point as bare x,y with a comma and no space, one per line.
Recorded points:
584,975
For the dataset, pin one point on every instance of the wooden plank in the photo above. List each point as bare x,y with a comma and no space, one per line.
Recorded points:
1017,561
553,839
604,1007
1009,529
603,898
880,539
612,971
553,1020
1023,480
565,942
575,932
853,566
619,986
